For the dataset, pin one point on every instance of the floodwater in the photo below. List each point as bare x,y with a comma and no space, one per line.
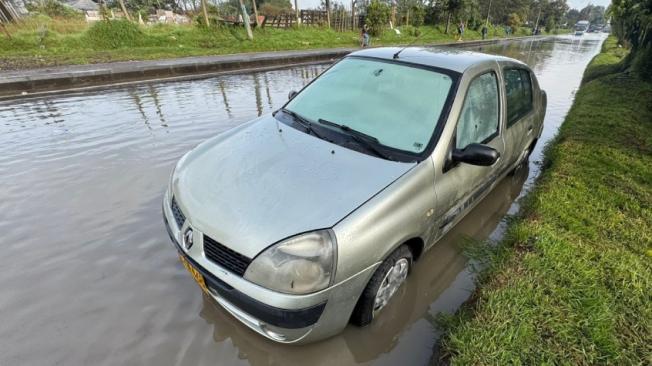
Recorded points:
89,275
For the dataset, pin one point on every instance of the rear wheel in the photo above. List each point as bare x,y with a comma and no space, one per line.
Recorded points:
382,286
524,158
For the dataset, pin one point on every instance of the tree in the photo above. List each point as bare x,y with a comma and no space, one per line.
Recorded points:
551,12
377,16
572,17
253,3
410,12
296,10
245,20
501,9
124,9
328,13
270,9
514,21
435,12
594,14
452,8
631,22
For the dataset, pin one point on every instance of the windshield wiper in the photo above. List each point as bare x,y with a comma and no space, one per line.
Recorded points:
362,138
303,121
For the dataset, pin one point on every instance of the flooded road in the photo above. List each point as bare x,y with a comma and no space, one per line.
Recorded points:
90,277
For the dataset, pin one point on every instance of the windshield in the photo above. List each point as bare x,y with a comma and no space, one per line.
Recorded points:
397,105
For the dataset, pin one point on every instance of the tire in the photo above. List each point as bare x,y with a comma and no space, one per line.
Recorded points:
364,310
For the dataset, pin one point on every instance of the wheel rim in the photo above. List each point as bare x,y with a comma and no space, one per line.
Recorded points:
393,279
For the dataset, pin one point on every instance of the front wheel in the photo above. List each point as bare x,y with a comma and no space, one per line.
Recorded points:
382,286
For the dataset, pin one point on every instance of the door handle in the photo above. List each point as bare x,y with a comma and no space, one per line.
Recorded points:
529,130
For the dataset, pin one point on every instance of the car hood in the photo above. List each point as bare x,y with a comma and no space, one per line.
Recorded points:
253,186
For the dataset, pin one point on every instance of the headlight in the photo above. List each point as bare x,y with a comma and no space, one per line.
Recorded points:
298,265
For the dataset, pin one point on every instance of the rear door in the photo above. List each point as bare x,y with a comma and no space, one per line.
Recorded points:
520,116
458,185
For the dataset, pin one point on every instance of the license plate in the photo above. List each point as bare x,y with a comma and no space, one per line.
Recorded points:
196,275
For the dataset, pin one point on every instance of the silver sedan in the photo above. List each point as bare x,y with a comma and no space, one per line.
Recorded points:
310,218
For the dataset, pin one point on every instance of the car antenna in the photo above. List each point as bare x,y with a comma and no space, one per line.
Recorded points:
395,57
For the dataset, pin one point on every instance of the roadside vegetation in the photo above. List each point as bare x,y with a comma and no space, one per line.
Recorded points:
44,41
57,34
572,281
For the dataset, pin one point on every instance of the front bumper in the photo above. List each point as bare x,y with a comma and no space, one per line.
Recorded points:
280,317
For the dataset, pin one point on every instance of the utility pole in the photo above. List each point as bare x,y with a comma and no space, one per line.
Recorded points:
353,15
256,13
328,13
245,19
205,11
536,24
488,12
296,9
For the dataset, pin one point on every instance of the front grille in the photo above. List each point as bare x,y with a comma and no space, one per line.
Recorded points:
225,257
179,217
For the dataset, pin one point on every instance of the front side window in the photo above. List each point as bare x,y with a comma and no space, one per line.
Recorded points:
518,87
480,113
399,105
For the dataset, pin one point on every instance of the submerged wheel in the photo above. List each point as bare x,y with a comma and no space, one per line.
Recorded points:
382,286
524,158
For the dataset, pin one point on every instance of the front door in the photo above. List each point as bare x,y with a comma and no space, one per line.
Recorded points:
461,185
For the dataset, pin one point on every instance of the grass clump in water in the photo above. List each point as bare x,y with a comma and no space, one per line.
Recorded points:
572,281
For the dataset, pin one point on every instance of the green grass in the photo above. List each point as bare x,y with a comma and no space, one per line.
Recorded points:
606,63
572,281
42,41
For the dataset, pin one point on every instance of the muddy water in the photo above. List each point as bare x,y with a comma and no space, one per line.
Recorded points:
89,275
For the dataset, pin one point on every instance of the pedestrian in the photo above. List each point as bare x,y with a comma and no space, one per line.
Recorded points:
460,31
484,31
365,36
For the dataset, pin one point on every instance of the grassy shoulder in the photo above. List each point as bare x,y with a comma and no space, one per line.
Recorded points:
43,41
572,281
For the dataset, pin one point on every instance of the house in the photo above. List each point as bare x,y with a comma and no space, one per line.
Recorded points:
90,9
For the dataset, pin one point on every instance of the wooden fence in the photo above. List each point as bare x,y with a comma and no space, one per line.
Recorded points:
340,20
280,21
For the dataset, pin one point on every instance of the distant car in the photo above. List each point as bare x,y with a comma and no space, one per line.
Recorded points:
304,220
581,27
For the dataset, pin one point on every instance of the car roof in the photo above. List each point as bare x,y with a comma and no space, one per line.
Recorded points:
446,58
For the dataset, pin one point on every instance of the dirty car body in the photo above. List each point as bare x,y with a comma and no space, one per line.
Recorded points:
286,220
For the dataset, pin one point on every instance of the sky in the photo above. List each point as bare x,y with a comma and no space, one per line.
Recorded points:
577,4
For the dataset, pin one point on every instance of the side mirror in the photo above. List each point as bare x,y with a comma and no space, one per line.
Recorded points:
476,154
292,94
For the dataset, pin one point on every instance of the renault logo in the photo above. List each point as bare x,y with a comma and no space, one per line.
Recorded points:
187,239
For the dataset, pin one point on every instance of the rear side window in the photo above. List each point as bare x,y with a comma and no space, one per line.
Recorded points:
518,87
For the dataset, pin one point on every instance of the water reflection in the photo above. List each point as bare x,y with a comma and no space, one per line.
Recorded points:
225,99
92,277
